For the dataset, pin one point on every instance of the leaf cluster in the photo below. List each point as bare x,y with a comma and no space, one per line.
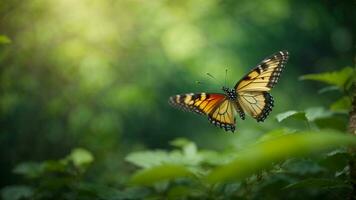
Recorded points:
305,157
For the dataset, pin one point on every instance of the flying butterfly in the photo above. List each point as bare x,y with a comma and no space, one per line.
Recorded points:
250,95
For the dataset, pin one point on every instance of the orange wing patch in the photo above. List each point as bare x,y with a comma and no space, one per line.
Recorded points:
201,103
250,95
217,107
223,116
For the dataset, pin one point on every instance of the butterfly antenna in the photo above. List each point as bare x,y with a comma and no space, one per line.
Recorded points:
211,76
225,77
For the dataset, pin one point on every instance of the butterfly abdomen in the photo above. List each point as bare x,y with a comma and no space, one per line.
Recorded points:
250,95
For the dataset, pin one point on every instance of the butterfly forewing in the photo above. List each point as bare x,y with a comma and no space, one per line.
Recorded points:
251,95
265,75
216,106
201,103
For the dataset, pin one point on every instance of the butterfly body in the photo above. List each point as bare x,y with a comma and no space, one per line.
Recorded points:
250,95
230,93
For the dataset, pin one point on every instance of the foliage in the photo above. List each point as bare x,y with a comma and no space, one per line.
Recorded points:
342,78
50,179
187,172
269,162
97,75
290,159
260,156
252,161
4,39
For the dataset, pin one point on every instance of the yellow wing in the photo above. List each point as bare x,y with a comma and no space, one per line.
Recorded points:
265,75
252,95
217,107
256,104
201,103
223,115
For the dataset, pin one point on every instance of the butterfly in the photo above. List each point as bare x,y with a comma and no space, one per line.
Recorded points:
250,95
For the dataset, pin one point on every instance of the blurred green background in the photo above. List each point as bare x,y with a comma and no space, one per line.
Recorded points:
98,74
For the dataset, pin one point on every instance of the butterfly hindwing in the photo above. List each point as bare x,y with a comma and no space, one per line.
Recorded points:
256,104
217,107
265,75
223,115
250,95
252,90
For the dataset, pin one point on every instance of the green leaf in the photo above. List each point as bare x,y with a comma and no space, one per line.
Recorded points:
308,115
336,161
108,193
180,142
341,105
4,39
328,89
146,159
183,192
337,78
16,192
342,151
318,183
292,114
159,173
302,166
263,155
80,157
54,166
334,122
179,192
189,148
274,134
317,113
216,158
29,169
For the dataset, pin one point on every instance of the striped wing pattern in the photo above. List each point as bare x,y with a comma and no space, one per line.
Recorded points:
256,104
252,90
223,116
251,96
218,108
265,75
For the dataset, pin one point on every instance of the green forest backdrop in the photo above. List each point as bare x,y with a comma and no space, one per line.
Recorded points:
84,86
